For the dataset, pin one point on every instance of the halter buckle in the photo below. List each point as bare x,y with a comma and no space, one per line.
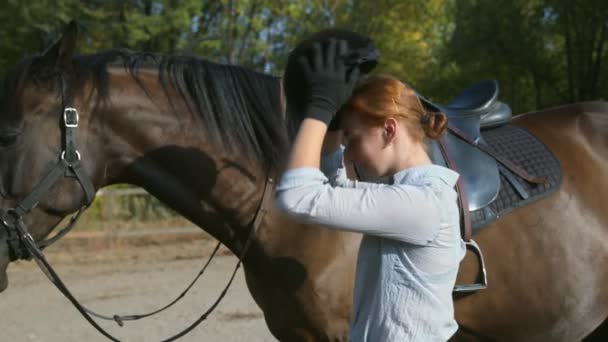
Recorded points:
70,117
63,154
28,237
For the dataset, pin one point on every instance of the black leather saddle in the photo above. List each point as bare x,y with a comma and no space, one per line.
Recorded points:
480,100
475,109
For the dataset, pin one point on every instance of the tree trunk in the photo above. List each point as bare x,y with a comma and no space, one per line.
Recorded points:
538,90
569,51
598,55
245,36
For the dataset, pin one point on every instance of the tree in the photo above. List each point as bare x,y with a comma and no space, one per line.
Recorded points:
583,25
543,52
27,27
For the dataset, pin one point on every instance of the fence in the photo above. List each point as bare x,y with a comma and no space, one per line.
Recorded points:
126,206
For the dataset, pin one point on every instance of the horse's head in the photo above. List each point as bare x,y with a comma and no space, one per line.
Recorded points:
32,139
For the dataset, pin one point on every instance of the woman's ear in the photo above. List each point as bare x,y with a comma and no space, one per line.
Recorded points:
390,130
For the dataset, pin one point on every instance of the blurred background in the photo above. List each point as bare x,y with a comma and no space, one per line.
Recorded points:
543,52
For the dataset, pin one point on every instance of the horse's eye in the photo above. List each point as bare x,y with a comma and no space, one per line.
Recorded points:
8,139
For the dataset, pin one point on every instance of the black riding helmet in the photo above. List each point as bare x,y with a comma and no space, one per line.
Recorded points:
363,55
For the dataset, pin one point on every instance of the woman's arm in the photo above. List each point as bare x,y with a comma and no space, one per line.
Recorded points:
329,89
409,213
402,212
306,149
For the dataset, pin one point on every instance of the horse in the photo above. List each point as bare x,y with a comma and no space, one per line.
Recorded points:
208,139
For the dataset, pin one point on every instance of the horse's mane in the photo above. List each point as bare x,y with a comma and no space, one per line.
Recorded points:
241,108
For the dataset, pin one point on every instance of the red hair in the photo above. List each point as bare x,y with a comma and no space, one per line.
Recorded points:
379,97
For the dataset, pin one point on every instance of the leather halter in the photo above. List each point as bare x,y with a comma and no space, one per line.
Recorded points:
23,246
20,242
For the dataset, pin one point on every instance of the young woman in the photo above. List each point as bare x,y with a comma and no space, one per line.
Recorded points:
411,247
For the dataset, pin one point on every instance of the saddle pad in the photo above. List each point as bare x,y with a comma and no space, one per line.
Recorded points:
526,151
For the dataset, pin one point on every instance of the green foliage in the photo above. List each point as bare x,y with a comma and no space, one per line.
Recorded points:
410,36
543,52
27,27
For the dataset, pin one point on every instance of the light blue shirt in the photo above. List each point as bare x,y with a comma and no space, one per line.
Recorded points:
411,248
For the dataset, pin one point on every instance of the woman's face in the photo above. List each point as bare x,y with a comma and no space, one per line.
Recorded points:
366,147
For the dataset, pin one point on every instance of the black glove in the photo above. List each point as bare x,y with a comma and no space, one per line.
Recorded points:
327,81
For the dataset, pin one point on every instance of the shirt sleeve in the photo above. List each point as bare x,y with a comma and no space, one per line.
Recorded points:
402,212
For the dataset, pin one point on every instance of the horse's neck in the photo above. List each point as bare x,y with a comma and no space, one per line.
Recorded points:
162,148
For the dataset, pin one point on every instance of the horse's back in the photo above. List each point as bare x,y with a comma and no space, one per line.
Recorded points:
546,261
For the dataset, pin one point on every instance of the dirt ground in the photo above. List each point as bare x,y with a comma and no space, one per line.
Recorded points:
130,273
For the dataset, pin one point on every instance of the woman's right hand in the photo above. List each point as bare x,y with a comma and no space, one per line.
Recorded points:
326,77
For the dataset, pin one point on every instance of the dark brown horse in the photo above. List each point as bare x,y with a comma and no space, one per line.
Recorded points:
201,137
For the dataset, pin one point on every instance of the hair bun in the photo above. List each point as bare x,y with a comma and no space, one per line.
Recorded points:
434,124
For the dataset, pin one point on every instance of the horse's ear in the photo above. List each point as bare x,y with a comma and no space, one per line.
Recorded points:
60,53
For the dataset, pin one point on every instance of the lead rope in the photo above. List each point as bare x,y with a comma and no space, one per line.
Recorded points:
120,319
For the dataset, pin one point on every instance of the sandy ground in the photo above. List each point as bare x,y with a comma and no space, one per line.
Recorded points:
130,275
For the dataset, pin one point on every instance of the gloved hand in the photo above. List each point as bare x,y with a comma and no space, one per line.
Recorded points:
327,81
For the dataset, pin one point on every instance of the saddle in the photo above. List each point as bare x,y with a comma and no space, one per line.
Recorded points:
475,107
502,166
479,101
